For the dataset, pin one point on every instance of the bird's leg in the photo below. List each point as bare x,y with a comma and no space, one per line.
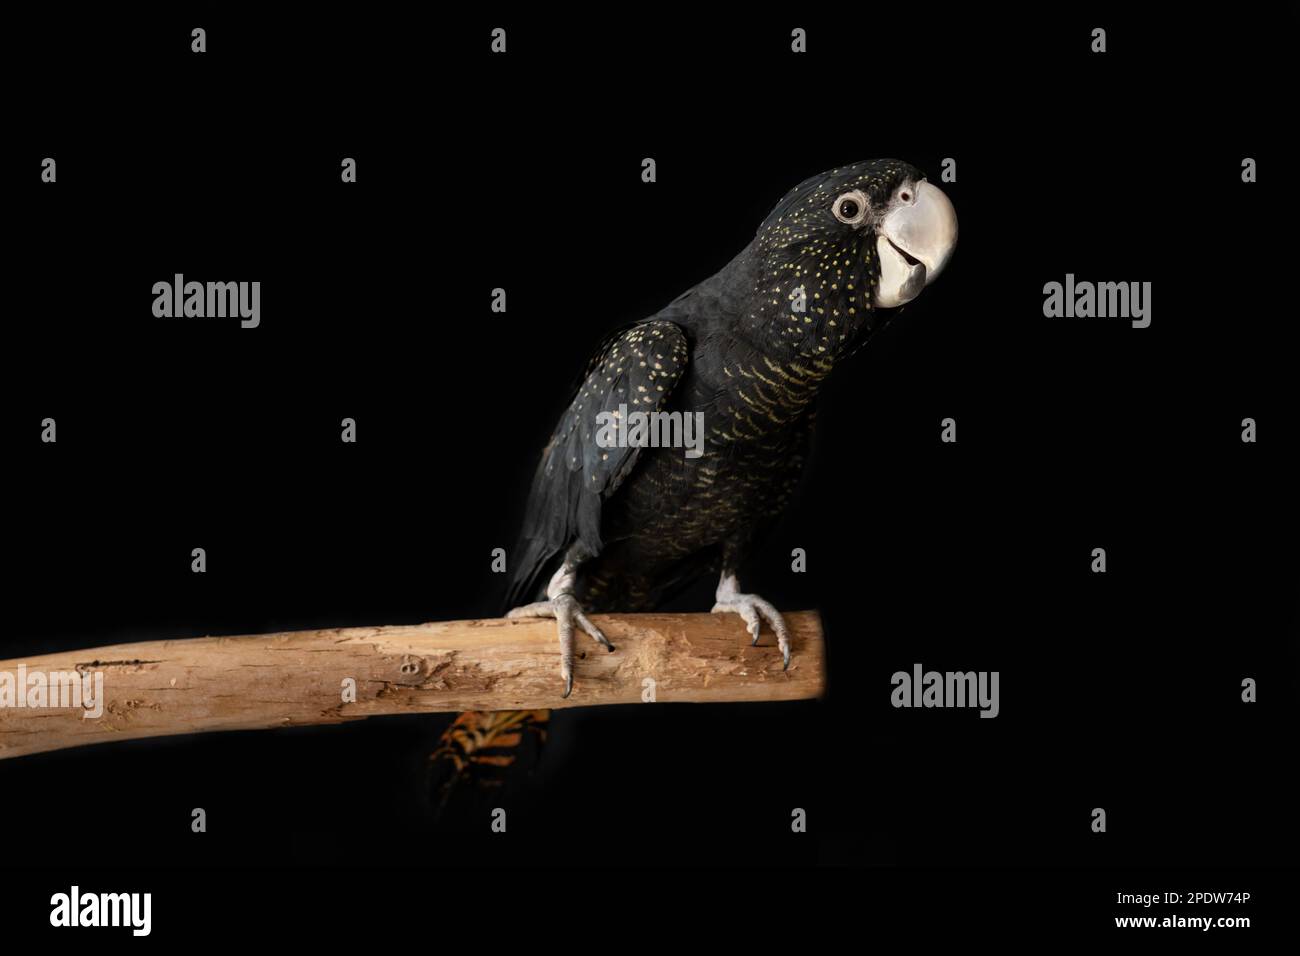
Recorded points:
566,610
751,609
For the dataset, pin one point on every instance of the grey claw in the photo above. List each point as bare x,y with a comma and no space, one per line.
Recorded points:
787,660
562,606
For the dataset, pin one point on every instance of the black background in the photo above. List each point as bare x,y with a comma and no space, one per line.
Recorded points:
523,172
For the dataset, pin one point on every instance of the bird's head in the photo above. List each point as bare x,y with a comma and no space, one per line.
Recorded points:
851,240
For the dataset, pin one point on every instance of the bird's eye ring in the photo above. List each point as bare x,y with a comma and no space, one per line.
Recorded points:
850,208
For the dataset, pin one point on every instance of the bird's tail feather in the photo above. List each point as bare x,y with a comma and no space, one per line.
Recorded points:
477,754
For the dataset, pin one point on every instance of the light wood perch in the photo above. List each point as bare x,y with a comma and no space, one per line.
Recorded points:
297,678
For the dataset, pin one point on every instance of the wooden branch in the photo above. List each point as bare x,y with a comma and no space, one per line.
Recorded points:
298,678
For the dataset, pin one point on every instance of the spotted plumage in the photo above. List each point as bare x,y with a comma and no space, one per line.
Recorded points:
638,524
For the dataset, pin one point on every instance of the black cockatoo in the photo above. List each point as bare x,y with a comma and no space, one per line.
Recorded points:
615,527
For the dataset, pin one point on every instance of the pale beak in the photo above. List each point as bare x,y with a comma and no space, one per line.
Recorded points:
914,242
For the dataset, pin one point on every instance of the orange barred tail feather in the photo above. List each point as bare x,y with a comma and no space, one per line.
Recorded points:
478,751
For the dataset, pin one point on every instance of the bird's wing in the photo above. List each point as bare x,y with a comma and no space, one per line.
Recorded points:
639,367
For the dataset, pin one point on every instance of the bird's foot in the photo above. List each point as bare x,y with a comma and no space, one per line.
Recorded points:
753,609
567,611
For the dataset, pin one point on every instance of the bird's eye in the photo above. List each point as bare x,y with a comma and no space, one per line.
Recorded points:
905,196
851,208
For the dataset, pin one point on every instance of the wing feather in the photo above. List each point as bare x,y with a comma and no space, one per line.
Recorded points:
638,366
